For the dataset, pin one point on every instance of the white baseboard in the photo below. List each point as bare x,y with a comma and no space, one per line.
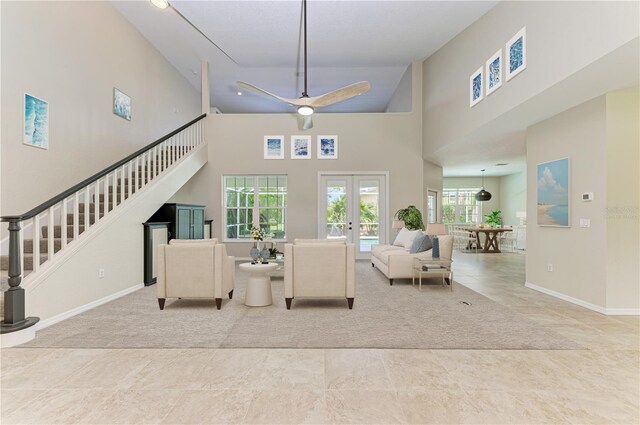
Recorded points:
12,339
581,303
67,314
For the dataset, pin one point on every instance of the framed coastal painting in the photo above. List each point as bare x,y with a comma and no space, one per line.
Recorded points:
121,104
493,71
300,147
553,193
35,131
516,51
475,87
327,147
273,147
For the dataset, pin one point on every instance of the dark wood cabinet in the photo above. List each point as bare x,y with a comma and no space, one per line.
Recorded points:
186,221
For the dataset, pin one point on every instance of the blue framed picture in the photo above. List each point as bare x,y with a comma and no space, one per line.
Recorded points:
475,87
516,51
553,181
121,104
493,72
327,147
35,130
300,147
273,147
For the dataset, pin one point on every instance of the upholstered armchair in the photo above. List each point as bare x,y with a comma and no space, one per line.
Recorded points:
194,269
319,269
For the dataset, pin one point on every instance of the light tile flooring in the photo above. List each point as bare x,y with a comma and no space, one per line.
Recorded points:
194,386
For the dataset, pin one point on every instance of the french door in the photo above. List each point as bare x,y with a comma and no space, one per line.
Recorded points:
354,207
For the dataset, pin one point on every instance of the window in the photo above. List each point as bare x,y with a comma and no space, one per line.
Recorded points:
255,200
460,206
432,206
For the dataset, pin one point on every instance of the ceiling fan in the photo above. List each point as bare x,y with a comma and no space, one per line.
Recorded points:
305,104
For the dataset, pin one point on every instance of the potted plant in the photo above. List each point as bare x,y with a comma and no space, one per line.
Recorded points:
411,216
494,219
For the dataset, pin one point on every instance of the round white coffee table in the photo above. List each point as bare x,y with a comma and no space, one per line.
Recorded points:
259,284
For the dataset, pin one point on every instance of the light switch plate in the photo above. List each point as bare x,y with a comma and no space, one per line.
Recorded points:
585,222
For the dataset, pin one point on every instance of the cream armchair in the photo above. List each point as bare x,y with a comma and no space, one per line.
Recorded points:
319,269
194,269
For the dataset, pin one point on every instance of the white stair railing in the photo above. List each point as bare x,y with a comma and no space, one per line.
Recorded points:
64,219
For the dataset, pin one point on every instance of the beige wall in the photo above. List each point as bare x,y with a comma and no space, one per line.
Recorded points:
72,54
513,197
623,183
433,180
366,142
556,49
401,99
578,255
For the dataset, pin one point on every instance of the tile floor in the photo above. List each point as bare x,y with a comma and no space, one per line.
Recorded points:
598,385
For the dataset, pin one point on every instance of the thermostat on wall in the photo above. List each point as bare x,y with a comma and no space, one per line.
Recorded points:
587,196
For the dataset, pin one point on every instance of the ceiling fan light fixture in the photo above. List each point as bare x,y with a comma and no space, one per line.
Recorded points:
160,4
305,110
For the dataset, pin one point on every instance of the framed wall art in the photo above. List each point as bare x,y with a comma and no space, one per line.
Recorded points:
273,147
35,130
300,147
553,179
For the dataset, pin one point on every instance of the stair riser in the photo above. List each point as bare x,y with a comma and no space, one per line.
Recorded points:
28,261
57,231
92,218
44,245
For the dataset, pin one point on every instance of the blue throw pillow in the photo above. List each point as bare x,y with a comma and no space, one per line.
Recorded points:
421,243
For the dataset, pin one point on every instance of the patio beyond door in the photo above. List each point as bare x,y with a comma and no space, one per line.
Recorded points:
353,206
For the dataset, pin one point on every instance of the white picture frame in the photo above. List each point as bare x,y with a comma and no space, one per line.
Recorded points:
493,73
35,121
327,147
476,87
273,147
516,54
300,147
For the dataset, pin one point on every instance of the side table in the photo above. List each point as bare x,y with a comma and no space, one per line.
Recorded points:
259,284
432,267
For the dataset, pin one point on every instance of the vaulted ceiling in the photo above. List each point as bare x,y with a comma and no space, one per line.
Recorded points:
260,42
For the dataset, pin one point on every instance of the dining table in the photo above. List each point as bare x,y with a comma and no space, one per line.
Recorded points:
491,236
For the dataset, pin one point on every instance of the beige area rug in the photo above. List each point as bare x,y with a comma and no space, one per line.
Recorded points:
383,316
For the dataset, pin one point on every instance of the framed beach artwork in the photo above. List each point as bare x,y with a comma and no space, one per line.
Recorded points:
516,51
327,147
553,193
475,87
121,104
273,147
493,71
300,147
35,131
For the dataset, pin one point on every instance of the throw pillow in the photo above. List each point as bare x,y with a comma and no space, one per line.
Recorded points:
412,235
401,238
421,243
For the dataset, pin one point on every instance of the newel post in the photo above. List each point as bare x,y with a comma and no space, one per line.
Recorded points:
14,319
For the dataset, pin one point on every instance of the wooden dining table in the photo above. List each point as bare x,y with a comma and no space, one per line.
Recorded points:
491,235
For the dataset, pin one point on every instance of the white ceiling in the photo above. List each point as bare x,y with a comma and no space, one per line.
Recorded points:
348,41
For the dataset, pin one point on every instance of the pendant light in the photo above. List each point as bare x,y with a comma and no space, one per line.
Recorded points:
483,195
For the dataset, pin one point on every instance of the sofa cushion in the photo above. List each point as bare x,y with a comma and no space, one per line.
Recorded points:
376,250
421,243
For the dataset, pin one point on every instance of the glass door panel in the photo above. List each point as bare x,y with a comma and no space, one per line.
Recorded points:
369,214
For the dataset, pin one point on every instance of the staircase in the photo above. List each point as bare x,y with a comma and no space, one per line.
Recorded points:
41,236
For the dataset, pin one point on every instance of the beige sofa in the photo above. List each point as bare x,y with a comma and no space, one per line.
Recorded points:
195,269
319,268
396,262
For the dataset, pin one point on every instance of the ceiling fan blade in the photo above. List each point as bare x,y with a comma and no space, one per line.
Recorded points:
259,90
307,122
339,95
